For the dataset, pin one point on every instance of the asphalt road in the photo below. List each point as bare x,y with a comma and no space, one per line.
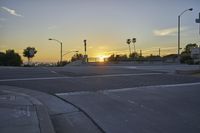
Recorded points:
140,99
155,109
86,78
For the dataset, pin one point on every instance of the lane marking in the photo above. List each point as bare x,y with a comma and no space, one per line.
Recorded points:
50,70
54,72
127,89
153,86
82,77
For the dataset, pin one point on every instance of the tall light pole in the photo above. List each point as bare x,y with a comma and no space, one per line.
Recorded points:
179,23
60,48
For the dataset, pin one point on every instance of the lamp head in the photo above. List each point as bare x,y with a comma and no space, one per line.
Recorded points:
50,39
190,9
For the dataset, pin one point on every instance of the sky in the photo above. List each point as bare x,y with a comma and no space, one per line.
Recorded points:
105,24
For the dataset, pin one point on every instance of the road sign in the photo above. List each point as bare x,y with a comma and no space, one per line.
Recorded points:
198,21
31,52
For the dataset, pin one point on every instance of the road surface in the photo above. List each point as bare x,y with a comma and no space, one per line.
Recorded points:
118,99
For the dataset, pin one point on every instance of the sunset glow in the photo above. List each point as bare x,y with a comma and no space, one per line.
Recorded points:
106,25
101,58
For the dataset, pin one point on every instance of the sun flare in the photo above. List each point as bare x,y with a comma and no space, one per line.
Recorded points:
102,58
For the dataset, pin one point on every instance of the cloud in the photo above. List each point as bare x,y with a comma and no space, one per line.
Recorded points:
12,12
165,32
52,27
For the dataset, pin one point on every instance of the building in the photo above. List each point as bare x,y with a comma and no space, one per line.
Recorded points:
195,54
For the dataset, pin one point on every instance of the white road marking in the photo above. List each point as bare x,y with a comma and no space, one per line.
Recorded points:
127,89
54,72
81,77
153,86
50,70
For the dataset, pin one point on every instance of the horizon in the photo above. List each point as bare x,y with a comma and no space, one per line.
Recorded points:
104,24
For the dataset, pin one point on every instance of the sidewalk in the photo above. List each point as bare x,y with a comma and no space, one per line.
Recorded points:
20,113
29,111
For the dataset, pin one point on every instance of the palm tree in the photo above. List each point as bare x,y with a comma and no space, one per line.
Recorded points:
128,41
29,52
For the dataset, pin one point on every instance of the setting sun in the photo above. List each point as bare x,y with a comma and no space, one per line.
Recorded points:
101,58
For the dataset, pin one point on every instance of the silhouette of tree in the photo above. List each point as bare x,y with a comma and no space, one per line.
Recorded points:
2,58
134,55
29,52
77,56
111,58
114,58
128,41
10,58
186,54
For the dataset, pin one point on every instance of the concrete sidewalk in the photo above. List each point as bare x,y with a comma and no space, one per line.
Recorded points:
20,113
28,111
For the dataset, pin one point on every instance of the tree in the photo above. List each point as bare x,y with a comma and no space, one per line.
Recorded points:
115,58
10,58
111,58
186,54
128,41
2,58
134,55
76,57
29,52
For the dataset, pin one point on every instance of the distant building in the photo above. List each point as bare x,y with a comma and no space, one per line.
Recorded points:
195,54
171,58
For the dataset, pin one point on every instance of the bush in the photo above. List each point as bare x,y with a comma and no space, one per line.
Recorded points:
10,58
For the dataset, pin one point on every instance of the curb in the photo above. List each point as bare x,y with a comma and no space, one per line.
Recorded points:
45,123
42,115
187,72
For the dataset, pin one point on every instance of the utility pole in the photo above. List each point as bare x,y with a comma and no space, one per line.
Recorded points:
85,46
85,49
140,53
159,52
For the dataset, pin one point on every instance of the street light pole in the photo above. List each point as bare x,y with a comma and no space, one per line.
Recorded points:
60,47
69,52
179,23
179,35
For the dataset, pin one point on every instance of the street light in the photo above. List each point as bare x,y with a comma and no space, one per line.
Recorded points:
179,21
60,47
69,52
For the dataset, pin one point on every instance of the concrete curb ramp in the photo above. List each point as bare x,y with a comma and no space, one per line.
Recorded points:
28,111
21,114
